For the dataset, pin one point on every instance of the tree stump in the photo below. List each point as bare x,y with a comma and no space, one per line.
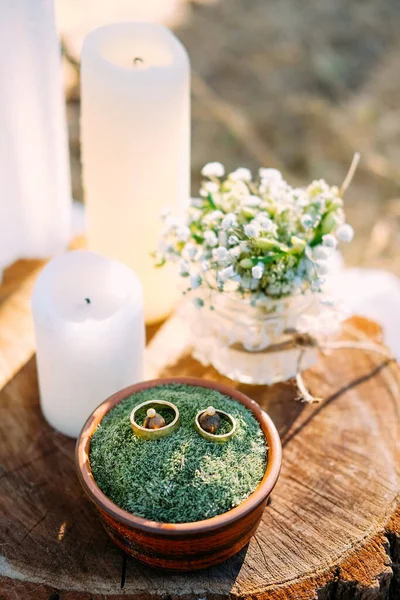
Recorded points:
330,532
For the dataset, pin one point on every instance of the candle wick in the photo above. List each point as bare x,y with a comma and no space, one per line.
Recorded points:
137,60
87,300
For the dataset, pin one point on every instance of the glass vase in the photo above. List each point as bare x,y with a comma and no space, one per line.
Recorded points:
250,344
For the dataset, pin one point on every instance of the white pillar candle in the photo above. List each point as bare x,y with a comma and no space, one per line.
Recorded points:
34,171
88,315
135,146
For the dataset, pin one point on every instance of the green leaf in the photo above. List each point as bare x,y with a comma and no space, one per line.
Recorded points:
247,263
270,258
317,239
326,225
249,213
160,263
197,238
268,244
211,201
196,234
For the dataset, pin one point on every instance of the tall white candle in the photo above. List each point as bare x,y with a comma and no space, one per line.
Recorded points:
34,171
88,315
135,146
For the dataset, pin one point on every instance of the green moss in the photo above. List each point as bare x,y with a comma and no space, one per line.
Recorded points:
180,478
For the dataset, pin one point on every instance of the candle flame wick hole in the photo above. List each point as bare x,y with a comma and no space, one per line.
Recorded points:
138,61
87,300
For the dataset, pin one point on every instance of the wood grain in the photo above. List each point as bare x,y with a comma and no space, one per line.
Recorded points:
330,532
17,340
17,344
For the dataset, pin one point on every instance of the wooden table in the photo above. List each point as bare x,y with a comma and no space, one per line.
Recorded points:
330,532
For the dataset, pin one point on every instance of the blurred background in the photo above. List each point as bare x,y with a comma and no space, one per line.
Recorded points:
296,85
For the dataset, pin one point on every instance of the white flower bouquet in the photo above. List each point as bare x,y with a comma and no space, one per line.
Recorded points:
259,238
255,253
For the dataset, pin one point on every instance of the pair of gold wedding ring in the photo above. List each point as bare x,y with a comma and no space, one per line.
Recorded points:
206,421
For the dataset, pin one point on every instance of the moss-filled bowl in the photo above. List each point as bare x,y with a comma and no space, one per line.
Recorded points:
181,546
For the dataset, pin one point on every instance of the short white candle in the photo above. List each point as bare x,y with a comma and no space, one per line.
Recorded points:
88,315
35,200
135,147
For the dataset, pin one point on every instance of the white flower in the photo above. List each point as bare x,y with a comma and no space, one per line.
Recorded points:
184,268
249,283
240,174
209,187
189,250
306,221
165,212
257,271
280,193
345,233
213,169
171,223
322,252
220,254
300,197
286,288
163,247
195,281
219,243
245,281
322,267
229,221
308,267
222,238
254,283
329,240
234,252
194,215
289,274
210,239
266,224
213,217
226,274
318,187
252,201
183,233
252,229
274,290
270,174
297,282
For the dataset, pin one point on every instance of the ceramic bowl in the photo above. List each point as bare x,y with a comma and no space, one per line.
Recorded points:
181,546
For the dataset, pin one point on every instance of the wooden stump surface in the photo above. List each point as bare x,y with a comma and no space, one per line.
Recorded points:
331,531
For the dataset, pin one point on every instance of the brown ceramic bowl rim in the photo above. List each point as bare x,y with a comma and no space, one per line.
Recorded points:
105,504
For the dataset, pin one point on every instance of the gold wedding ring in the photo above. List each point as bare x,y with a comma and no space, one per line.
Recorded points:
155,434
213,437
